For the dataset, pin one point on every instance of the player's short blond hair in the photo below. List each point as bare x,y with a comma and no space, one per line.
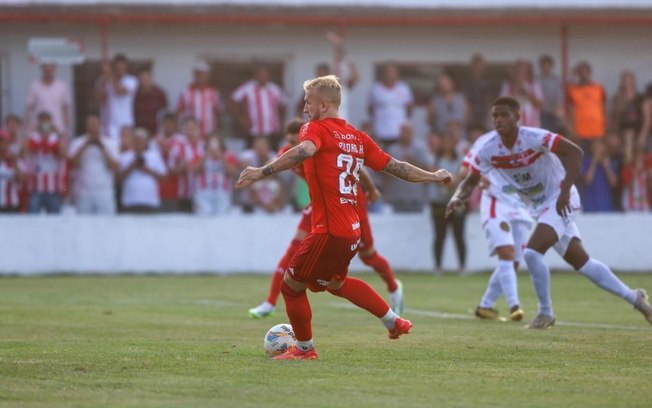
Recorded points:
328,87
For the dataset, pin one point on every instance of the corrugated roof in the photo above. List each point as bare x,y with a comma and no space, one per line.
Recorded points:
401,4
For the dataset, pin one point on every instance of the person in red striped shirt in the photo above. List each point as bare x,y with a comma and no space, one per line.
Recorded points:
201,100
179,161
260,108
46,153
11,175
213,174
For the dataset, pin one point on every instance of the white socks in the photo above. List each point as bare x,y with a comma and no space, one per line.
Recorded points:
305,345
503,280
540,280
507,279
493,291
389,320
604,278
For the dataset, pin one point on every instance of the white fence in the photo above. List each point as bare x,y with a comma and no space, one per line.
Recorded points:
239,243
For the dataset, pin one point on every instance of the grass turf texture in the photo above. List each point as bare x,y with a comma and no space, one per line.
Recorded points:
166,341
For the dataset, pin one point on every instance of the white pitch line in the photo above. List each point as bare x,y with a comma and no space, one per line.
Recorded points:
459,316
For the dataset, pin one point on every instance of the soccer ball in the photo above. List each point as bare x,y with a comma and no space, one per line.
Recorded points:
279,339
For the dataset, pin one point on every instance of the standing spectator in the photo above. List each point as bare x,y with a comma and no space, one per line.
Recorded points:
51,95
11,175
46,153
140,170
527,91
402,196
447,105
646,127
181,156
259,106
149,100
615,152
214,172
637,183
96,157
200,100
13,127
166,141
447,158
390,105
626,115
116,94
348,71
257,156
587,101
552,110
478,92
599,176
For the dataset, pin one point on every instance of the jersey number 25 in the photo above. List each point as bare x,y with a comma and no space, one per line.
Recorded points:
352,166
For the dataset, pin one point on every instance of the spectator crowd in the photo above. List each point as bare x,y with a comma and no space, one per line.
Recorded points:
141,154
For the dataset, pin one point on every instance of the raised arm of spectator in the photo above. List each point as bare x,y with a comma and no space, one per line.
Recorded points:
354,75
293,157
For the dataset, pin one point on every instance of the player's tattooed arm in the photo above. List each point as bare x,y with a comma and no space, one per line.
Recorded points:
287,160
463,192
408,172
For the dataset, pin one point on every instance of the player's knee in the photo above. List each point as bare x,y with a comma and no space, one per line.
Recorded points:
335,286
292,285
505,253
366,254
531,256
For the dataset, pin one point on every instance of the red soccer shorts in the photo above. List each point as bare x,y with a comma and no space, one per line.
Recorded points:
322,258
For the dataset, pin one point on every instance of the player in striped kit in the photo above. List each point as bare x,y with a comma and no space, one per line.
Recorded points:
201,101
542,167
213,174
506,222
261,108
368,254
11,175
46,154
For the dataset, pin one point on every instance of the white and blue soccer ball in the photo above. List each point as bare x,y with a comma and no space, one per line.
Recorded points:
279,339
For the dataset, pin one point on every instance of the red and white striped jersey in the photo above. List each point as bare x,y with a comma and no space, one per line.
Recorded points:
9,184
635,191
262,103
212,175
202,104
188,153
45,168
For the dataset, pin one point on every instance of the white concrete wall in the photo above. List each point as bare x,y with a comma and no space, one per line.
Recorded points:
236,244
175,48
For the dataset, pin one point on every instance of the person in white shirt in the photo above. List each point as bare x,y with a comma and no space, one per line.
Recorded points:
390,105
96,158
506,222
542,167
140,171
51,95
116,93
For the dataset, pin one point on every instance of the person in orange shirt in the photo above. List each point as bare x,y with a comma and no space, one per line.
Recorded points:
586,102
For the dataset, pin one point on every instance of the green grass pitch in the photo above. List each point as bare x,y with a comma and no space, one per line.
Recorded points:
186,341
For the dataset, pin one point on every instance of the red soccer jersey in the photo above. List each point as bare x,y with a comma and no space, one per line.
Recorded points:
332,174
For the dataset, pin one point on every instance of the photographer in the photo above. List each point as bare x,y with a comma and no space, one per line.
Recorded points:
95,158
140,171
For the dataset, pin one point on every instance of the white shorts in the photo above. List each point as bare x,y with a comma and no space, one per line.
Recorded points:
96,202
565,228
212,202
504,225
